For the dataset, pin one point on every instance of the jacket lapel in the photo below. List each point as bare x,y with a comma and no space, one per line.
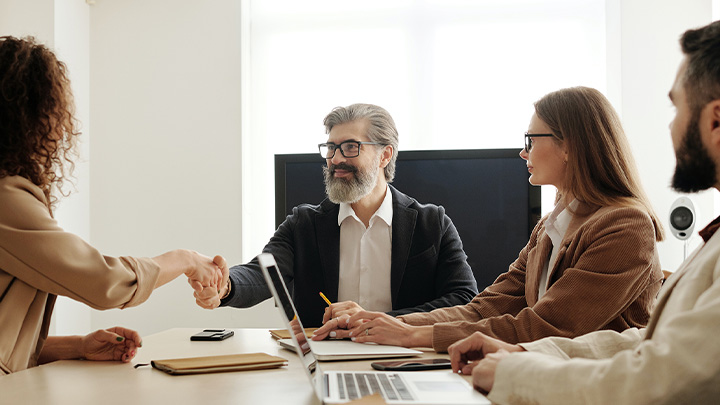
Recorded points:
536,260
579,216
403,227
539,256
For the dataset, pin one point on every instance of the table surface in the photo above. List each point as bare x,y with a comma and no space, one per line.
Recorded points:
92,382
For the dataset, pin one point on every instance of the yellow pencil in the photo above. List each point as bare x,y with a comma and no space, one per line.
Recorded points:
325,298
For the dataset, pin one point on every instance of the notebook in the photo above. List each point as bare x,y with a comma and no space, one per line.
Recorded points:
336,387
215,364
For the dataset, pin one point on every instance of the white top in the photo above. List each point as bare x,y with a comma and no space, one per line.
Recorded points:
365,257
555,226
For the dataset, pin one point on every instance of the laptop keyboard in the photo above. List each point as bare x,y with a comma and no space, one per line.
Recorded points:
357,385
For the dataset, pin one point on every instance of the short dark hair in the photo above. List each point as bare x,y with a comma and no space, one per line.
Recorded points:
702,74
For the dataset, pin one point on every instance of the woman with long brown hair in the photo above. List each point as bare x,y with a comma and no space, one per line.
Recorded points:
590,264
38,260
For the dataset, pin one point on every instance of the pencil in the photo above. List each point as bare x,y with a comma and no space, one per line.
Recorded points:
325,298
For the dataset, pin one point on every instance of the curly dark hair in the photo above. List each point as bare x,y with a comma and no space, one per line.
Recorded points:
37,124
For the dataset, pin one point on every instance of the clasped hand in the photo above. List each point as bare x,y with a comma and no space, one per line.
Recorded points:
348,320
479,355
336,320
117,344
209,280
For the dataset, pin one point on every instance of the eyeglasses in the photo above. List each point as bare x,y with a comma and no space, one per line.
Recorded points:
528,140
348,149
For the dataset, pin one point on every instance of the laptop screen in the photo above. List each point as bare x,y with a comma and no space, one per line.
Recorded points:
289,314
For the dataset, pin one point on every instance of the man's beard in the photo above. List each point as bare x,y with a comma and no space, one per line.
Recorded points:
694,168
352,189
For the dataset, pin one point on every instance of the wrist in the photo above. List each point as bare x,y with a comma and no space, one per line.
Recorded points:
173,264
186,259
421,336
228,288
61,348
77,345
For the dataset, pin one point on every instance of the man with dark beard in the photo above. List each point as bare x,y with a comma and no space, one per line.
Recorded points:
367,246
675,359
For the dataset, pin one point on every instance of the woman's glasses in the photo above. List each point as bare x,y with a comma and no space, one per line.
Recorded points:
528,140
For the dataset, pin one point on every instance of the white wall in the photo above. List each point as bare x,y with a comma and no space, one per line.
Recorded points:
165,169
72,46
21,18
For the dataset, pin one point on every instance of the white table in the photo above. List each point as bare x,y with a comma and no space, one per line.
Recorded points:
75,382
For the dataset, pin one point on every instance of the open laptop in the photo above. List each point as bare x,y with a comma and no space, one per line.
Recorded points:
335,387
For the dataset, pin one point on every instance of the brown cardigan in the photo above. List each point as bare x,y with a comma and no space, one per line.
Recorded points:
606,276
38,261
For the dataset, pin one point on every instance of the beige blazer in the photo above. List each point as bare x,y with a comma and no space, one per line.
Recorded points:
606,276
675,360
38,261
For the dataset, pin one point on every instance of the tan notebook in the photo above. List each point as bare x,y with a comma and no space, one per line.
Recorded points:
215,364
285,334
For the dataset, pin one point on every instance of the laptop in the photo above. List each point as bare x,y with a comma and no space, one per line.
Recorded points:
336,387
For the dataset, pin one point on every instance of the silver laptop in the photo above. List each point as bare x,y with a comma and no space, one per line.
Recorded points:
335,387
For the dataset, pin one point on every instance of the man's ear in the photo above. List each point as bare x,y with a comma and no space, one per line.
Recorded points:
386,156
710,122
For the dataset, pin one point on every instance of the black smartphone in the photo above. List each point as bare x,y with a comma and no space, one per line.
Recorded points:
411,365
212,334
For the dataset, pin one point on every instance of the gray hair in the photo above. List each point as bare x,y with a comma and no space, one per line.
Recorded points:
382,127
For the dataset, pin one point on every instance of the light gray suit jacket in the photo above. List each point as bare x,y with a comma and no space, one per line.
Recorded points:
675,359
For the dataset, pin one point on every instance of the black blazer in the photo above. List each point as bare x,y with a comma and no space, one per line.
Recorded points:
429,268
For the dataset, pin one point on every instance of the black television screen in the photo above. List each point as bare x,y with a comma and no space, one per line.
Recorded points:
485,192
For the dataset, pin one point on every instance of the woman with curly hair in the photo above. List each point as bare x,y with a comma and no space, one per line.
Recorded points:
38,260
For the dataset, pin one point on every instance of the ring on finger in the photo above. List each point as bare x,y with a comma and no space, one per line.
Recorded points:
367,332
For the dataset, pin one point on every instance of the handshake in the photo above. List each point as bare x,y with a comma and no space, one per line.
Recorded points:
208,277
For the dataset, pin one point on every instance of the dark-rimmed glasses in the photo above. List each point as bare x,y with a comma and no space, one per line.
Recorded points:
528,140
348,149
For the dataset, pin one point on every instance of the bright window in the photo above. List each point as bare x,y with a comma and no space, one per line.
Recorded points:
453,74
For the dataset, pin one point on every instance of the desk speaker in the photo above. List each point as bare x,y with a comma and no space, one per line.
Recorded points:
683,217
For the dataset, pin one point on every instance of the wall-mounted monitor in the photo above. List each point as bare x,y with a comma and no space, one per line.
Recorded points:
485,192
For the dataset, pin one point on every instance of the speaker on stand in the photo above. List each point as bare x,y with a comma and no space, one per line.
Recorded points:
683,217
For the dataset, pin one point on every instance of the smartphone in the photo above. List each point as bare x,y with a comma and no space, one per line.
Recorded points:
212,334
411,365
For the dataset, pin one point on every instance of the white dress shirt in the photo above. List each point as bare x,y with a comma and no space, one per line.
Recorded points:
555,226
365,255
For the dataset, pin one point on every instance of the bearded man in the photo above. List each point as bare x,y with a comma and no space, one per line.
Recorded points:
367,246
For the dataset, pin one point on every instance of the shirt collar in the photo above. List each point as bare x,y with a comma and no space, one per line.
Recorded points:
384,212
558,221
710,229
